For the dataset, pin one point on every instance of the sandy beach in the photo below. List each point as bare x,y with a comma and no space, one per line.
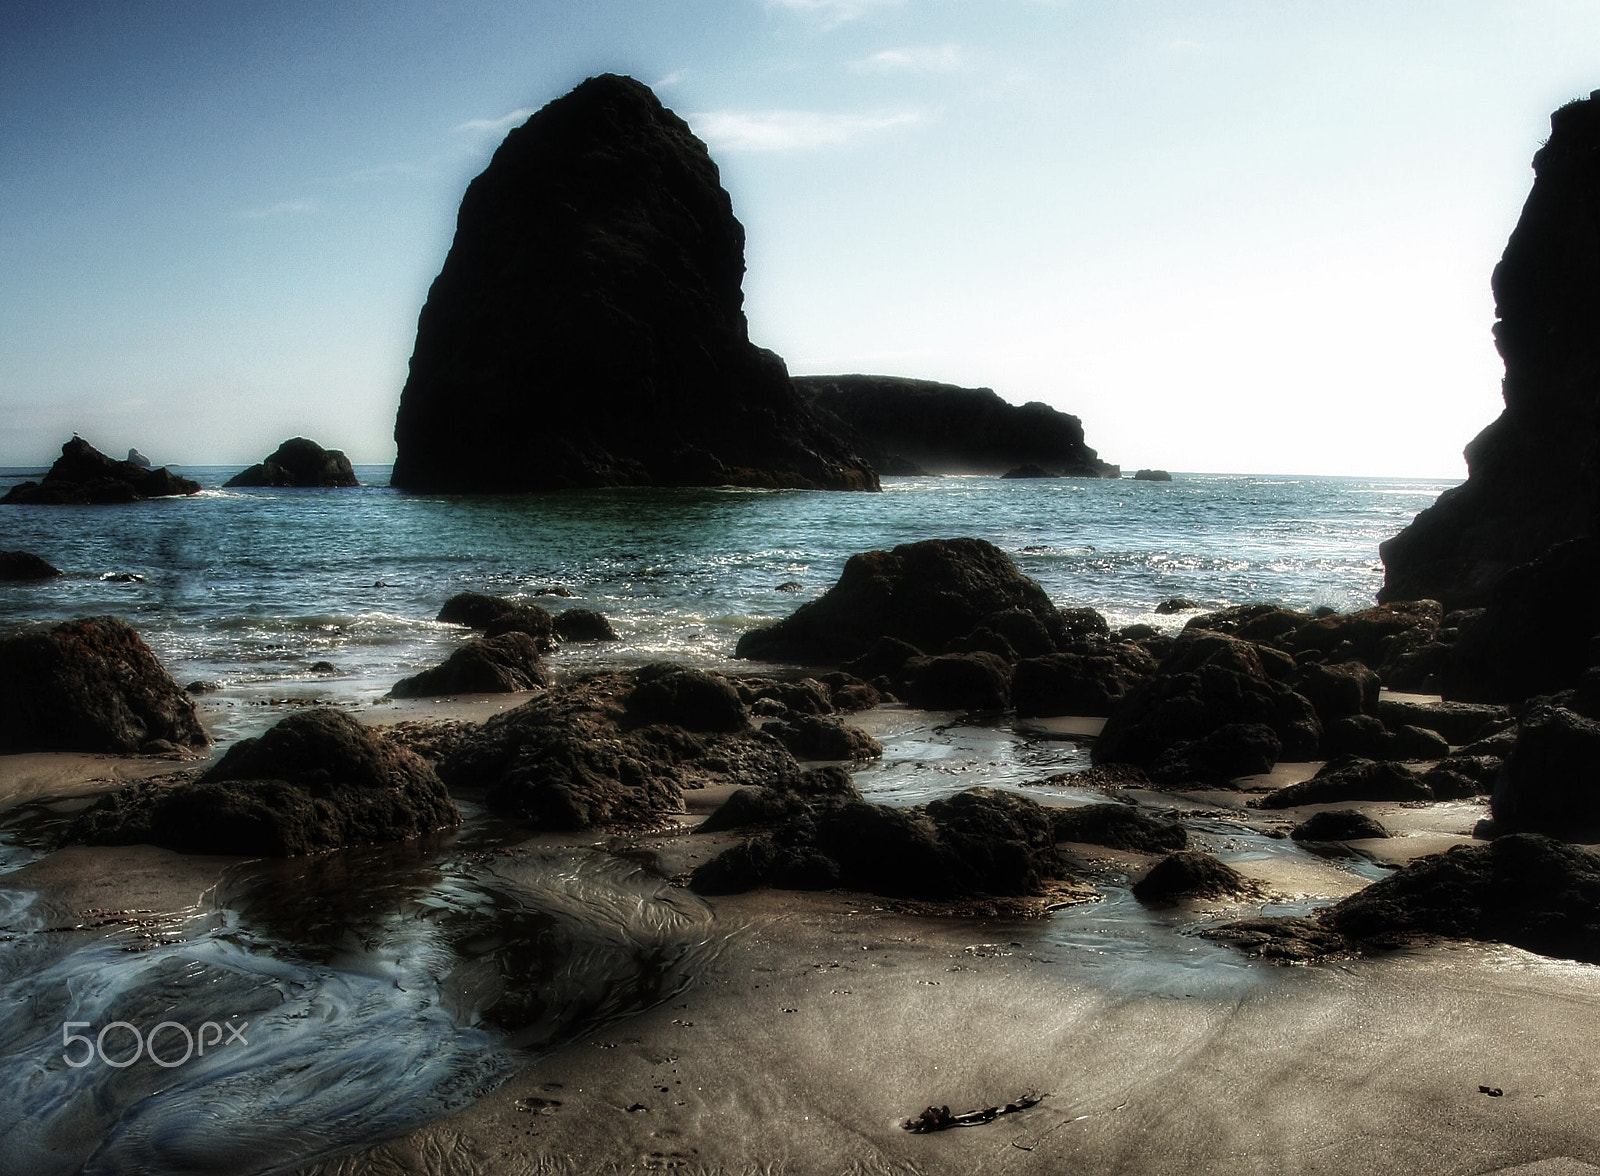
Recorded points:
817,1024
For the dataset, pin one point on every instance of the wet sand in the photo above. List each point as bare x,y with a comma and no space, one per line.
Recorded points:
826,1020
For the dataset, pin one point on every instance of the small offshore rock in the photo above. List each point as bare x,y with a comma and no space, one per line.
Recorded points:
24,565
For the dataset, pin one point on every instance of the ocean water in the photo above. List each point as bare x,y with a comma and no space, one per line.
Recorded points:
385,987
249,589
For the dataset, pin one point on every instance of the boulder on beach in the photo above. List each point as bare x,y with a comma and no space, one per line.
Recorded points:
1530,473
981,842
814,737
89,685
920,426
82,475
319,780
1338,825
1550,782
588,328
1526,890
614,749
1350,778
1079,682
24,565
1118,826
299,462
502,664
1189,874
926,595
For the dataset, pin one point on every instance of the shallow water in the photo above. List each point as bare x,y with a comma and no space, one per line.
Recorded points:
375,990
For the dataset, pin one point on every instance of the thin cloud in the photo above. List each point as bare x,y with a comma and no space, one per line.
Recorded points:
481,126
833,13
282,208
376,175
672,79
791,130
914,59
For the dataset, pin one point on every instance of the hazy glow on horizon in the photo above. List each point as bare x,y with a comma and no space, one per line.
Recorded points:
1232,236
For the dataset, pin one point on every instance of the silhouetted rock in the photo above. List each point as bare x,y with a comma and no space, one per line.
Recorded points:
1174,604
1338,825
925,427
89,685
1024,472
1339,690
1219,756
1152,476
24,565
1530,477
299,462
926,594
503,664
1366,736
1550,782
1350,778
139,459
588,329
1536,634
1117,826
83,475
1189,874
978,842
318,780
584,624
958,681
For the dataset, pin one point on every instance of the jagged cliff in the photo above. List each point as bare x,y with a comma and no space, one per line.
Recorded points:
588,328
1531,474
905,424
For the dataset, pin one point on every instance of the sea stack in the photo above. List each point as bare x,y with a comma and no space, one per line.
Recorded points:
913,426
588,327
299,461
1532,473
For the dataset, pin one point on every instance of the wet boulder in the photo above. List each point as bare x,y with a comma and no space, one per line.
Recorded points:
24,565
82,476
1170,710
958,681
686,698
812,737
926,594
1117,826
301,462
1219,756
1189,874
979,842
583,624
1338,825
1350,778
504,664
1087,680
89,685
319,780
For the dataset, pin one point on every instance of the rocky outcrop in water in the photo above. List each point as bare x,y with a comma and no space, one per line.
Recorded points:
923,426
24,565
82,476
503,664
299,462
89,685
319,780
588,329
1532,473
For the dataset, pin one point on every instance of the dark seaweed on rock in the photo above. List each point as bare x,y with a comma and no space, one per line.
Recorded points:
89,685
588,328
1189,874
318,780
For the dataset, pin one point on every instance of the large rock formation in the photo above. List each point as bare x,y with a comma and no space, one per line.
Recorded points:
299,461
83,475
89,685
588,329
1532,472
942,429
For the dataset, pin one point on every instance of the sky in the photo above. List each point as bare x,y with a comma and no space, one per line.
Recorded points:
1229,235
